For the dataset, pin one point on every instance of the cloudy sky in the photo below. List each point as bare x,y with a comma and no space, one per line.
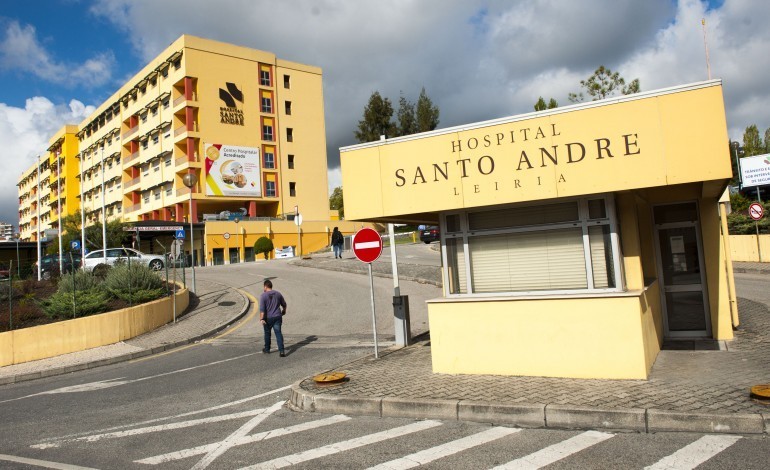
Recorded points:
477,59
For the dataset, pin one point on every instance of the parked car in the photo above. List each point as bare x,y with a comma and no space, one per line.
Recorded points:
49,264
430,234
116,255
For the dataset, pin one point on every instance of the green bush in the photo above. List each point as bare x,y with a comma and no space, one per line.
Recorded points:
84,281
136,284
263,245
62,304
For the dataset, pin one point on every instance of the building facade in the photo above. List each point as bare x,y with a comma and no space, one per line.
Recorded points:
248,127
575,241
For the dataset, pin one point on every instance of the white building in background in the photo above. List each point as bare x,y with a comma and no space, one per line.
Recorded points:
6,231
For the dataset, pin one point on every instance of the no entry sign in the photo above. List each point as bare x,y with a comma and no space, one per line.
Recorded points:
756,211
367,245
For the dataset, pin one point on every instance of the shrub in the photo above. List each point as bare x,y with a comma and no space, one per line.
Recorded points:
62,304
136,284
263,245
84,281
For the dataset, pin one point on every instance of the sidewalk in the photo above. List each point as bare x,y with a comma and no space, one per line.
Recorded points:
695,390
215,307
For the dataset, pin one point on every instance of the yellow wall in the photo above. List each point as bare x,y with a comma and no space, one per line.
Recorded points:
315,235
55,339
669,137
568,337
747,248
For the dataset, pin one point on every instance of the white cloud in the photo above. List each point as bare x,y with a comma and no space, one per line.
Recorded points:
25,133
21,51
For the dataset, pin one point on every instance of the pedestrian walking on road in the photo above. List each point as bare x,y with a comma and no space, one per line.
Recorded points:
338,240
272,308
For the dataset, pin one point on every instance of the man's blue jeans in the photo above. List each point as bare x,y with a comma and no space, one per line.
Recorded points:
275,325
337,251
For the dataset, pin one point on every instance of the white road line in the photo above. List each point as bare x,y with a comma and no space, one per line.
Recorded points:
55,442
231,440
185,453
42,463
445,450
694,454
332,449
557,452
100,385
170,426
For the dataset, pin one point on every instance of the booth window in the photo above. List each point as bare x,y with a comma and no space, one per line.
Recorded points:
546,248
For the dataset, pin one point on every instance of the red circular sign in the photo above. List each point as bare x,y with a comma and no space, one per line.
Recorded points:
756,211
367,245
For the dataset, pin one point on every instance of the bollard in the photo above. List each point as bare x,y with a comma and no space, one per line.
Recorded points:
401,320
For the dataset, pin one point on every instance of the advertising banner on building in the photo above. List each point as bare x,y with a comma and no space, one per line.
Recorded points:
755,171
232,171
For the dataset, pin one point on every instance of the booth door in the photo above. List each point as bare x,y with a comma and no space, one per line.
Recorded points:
680,262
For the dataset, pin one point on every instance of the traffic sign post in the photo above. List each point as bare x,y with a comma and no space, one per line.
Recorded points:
367,246
756,211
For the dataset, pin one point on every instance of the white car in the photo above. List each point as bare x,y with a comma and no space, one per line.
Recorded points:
115,255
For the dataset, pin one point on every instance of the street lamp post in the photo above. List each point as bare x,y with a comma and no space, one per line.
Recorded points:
104,212
237,242
189,180
18,260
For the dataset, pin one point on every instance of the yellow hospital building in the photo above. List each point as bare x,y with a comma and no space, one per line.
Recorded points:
247,125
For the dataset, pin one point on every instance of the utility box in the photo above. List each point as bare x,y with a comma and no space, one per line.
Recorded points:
401,320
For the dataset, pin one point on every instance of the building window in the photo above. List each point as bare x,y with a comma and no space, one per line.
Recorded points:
145,144
146,197
289,134
177,64
286,81
168,190
267,105
291,162
168,161
269,159
264,77
270,188
155,139
144,117
154,111
165,103
157,195
547,248
267,132
287,105
292,189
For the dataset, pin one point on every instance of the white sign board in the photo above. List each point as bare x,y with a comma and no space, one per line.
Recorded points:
755,171
232,171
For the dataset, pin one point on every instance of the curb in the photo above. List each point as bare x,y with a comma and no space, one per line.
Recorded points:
129,356
343,269
546,416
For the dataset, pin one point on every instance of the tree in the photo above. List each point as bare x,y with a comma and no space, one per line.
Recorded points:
752,142
427,114
603,84
542,106
116,236
263,245
376,122
767,140
336,202
407,123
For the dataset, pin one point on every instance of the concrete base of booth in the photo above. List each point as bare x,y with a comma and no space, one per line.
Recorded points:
607,336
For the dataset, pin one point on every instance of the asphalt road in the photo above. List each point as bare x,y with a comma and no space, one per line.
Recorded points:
219,403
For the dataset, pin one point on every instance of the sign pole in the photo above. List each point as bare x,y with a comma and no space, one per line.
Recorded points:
374,317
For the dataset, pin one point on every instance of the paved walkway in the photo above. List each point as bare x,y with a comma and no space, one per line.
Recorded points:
696,390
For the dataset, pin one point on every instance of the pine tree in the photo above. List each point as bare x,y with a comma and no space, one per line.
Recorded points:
427,114
407,123
603,84
376,121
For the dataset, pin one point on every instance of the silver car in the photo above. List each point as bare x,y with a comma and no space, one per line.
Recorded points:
123,255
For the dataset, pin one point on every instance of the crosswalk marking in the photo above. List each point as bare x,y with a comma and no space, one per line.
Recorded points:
231,440
445,450
343,446
557,451
261,436
694,454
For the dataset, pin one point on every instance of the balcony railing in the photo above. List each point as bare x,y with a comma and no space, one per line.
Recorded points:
131,157
182,191
132,208
130,132
133,181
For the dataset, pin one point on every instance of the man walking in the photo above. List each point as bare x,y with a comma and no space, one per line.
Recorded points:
272,308
338,241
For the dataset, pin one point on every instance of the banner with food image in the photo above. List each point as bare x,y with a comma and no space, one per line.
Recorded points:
232,170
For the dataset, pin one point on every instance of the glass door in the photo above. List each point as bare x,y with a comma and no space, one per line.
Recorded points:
681,276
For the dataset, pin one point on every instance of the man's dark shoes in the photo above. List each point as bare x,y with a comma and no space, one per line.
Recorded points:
265,351
282,354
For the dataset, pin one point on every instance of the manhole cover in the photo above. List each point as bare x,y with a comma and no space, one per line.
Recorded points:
329,378
761,393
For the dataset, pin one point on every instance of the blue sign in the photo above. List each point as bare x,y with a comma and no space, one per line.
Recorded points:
75,244
179,235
